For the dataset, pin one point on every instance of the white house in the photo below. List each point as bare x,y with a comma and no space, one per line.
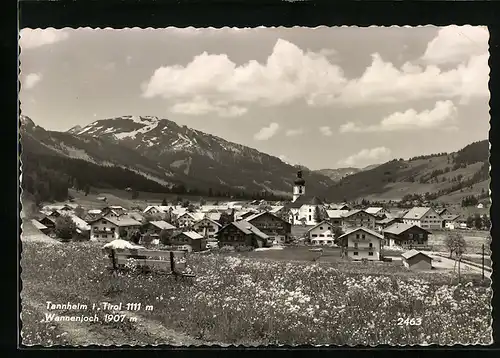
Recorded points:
336,216
322,234
451,221
424,217
480,206
108,228
362,243
207,227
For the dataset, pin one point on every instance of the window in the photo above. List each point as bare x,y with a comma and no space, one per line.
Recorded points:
112,229
356,245
355,253
363,236
410,236
321,235
421,236
95,228
314,235
370,253
357,236
321,227
104,236
309,210
329,228
370,245
309,217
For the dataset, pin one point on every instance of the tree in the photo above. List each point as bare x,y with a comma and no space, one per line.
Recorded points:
319,215
478,222
202,202
486,222
456,244
65,228
164,202
337,232
224,219
122,233
191,208
165,237
185,203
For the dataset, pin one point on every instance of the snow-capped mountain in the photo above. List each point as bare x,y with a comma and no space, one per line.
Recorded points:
166,152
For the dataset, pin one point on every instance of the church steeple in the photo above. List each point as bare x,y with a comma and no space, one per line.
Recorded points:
299,187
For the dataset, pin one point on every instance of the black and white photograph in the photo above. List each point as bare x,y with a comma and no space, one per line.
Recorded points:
265,186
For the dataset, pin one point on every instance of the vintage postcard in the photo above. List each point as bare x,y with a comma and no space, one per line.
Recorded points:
255,186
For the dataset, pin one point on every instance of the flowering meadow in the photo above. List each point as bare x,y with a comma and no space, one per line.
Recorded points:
238,300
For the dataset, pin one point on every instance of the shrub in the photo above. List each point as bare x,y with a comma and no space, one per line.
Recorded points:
243,248
65,228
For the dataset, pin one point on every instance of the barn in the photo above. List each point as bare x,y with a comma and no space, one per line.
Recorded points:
416,260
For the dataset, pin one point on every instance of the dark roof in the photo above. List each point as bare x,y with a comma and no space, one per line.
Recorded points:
299,180
409,254
305,200
399,228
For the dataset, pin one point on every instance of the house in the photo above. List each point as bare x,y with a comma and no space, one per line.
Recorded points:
443,211
242,215
108,228
480,206
193,240
154,228
44,229
406,235
49,222
378,212
336,216
207,227
416,260
380,225
359,218
189,219
272,225
342,206
242,233
322,234
424,217
82,227
136,216
304,210
361,243
213,208
450,221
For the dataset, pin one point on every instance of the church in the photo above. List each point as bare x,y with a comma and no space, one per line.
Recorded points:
303,208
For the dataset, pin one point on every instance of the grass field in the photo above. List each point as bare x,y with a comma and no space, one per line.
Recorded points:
237,300
474,242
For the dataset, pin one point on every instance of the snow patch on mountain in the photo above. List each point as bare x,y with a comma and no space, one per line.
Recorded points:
76,153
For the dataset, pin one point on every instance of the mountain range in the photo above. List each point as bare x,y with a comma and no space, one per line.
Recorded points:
154,154
170,155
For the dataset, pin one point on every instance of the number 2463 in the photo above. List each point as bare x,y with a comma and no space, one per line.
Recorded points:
409,321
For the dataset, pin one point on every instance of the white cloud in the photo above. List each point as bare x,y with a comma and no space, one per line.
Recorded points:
32,38
294,132
367,157
201,106
326,131
288,74
291,74
31,80
443,115
456,44
268,132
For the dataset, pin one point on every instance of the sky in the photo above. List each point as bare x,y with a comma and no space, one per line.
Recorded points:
324,97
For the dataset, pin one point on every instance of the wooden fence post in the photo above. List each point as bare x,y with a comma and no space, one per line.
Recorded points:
172,264
113,259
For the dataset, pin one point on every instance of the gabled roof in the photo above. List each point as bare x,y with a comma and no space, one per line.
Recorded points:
356,211
161,224
256,215
38,225
80,223
412,253
248,228
374,210
324,222
210,220
192,235
386,220
336,214
450,217
417,212
121,221
399,228
371,232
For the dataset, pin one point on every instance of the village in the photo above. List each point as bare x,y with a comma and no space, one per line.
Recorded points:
352,233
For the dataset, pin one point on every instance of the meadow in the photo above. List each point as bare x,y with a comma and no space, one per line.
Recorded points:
248,301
